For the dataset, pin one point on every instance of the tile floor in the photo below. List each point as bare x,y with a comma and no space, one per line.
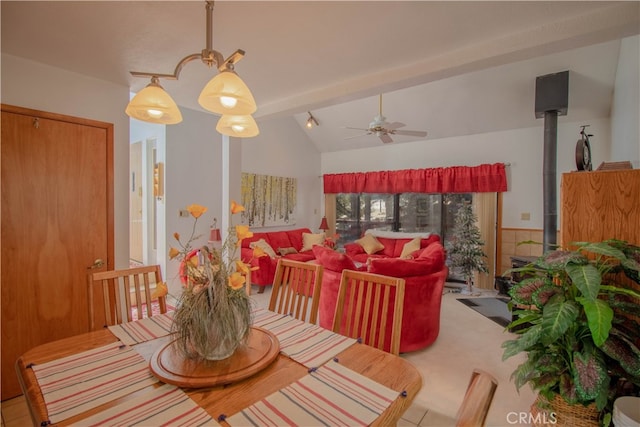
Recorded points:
467,340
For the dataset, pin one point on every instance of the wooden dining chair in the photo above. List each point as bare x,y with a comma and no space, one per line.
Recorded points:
477,400
120,291
294,284
365,306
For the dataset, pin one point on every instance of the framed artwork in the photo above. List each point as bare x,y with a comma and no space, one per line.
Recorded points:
268,200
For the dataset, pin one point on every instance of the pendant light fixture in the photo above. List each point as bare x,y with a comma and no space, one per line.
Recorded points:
239,126
226,94
152,104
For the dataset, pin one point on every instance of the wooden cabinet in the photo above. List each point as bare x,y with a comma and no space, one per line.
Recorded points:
600,205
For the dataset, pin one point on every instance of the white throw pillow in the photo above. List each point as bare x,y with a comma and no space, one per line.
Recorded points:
410,247
266,247
310,239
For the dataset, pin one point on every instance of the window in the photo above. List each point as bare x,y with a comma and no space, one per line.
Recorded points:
410,212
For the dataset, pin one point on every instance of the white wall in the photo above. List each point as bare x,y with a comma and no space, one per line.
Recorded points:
625,111
33,85
521,148
283,149
193,174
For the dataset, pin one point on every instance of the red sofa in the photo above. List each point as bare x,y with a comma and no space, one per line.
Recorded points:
277,240
425,276
393,243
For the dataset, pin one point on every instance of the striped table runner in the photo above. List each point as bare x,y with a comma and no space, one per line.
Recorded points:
305,343
162,406
331,395
77,383
142,330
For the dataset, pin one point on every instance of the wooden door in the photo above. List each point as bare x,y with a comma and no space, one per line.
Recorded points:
57,218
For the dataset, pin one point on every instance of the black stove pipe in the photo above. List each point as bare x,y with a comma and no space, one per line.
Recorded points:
552,100
549,193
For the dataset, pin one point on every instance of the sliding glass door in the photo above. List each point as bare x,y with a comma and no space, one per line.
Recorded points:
408,212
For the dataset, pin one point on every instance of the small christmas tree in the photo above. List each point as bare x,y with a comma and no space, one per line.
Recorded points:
466,251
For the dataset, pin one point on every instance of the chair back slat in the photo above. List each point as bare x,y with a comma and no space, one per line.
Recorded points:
118,290
364,306
294,285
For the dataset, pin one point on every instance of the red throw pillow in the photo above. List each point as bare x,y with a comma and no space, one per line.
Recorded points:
332,260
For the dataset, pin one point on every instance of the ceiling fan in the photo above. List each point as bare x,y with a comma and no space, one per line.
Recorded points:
383,130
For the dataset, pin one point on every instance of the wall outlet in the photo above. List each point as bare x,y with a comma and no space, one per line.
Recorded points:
183,213
525,216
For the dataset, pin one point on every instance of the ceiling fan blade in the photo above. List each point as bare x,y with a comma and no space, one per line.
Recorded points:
348,127
357,136
385,138
394,125
410,132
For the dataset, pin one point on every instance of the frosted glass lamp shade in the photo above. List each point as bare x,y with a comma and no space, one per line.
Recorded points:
152,104
239,126
227,94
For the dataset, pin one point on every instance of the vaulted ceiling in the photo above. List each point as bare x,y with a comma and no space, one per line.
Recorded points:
448,67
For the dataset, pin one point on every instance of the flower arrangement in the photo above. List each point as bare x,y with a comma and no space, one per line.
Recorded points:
213,316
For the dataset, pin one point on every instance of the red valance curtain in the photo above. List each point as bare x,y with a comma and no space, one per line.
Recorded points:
457,179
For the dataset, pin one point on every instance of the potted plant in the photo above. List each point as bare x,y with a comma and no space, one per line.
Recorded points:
579,330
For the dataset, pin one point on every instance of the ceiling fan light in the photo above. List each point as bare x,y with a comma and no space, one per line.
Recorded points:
240,126
153,105
226,93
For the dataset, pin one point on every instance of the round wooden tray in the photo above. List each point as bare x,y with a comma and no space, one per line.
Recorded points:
171,367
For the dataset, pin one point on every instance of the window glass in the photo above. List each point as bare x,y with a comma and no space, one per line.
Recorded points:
409,212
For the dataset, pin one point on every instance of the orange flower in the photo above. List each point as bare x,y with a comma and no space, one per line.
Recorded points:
242,232
176,236
258,252
173,252
236,281
241,267
196,211
160,291
235,208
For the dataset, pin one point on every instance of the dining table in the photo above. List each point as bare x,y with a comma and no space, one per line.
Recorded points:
389,380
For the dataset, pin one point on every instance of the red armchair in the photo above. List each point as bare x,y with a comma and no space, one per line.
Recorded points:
424,276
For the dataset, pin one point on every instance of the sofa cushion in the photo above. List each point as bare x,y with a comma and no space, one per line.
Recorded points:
266,247
309,240
332,260
434,255
295,237
410,247
287,251
370,244
279,239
